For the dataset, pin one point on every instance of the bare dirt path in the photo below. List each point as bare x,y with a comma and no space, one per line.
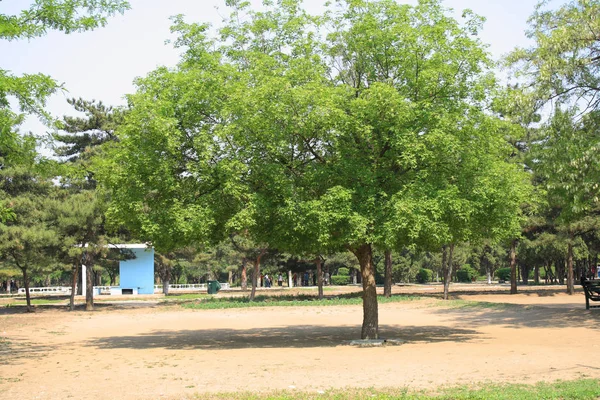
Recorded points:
168,352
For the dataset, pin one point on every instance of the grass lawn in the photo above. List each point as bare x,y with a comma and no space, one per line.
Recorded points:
288,301
579,389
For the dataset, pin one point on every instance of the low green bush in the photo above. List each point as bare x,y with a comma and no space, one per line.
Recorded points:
343,271
340,280
503,274
424,275
466,274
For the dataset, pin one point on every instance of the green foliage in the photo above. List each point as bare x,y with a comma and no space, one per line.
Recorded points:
343,271
503,274
424,275
467,274
340,280
562,65
32,90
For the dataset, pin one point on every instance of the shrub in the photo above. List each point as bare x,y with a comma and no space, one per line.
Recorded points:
340,279
466,274
424,275
503,274
343,271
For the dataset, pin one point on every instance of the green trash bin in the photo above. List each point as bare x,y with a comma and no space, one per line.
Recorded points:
213,287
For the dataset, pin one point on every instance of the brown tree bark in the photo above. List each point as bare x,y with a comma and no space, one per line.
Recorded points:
570,286
89,286
370,326
256,272
244,282
448,271
319,262
536,274
387,283
26,284
74,277
513,267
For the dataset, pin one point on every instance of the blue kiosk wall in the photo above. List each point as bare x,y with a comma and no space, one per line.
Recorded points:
139,272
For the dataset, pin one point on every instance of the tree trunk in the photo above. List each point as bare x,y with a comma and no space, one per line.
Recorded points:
536,274
525,274
89,288
79,287
370,326
387,283
244,282
570,286
26,284
255,275
319,263
166,283
513,267
448,271
74,278
230,278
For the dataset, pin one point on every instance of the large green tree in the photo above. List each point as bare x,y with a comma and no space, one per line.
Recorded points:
317,141
558,78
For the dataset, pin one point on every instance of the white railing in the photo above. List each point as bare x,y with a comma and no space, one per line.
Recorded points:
47,290
191,287
188,287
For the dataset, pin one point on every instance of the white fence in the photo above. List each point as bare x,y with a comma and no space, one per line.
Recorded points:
196,287
47,290
192,287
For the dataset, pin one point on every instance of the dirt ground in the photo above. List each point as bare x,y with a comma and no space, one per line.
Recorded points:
167,352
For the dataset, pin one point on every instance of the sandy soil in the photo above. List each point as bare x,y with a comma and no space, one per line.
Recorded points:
151,352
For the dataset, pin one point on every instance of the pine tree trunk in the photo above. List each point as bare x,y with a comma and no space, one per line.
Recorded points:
387,283
513,267
448,275
536,274
570,286
370,326
74,278
166,284
319,263
26,283
89,288
244,282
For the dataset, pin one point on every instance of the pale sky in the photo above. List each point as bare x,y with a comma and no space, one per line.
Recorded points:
102,64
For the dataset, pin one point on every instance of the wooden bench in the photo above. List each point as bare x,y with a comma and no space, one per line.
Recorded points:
591,288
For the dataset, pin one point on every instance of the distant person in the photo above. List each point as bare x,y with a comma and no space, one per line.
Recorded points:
305,283
326,278
266,280
280,279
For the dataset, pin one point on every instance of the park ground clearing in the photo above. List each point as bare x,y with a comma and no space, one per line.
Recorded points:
154,350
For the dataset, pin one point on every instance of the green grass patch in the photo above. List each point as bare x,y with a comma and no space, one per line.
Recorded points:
564,390
288,301
35,302
186,296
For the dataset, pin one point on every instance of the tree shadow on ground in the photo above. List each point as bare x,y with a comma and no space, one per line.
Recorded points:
297,336
524,316
527,291
14,349
42,308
